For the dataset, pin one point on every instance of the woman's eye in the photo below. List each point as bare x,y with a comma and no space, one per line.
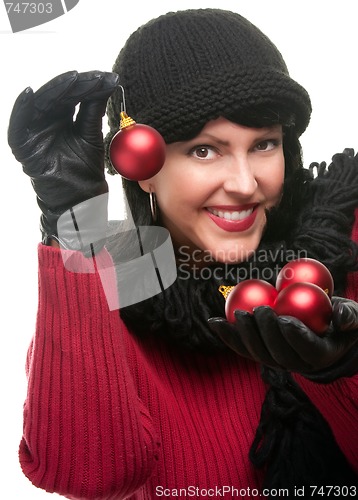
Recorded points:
203,152
267,145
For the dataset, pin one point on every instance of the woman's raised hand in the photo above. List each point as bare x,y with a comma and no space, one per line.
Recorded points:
61,151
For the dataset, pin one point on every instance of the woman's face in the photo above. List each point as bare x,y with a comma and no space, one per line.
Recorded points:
213,190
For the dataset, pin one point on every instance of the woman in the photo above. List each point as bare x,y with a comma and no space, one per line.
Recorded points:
167,398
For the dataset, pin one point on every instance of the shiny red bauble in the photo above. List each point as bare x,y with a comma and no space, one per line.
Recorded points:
247,295
306,302
137,152
305,270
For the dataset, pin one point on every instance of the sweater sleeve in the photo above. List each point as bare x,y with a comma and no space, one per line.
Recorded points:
86,433
338,401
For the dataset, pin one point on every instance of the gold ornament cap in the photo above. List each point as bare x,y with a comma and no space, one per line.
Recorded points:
225,290
126,121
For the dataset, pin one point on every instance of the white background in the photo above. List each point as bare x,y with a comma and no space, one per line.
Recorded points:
318,40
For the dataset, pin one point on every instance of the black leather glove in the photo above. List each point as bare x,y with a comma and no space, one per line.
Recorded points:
286,343
63,156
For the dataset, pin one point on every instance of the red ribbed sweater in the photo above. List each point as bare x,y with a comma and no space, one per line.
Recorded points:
110,417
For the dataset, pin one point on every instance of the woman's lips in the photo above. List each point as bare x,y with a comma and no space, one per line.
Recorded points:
233,219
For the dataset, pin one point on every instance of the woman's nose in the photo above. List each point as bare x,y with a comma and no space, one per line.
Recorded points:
240,177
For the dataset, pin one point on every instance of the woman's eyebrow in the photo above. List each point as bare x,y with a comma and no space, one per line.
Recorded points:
261,132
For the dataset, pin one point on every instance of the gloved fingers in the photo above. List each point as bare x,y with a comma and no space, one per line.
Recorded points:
89,118
251,337
345,314
317,351
279,346
108,83
29,108
60,96
243,337
229,334
20,118
57,100
347,366
297,348
349,152
55,92
285,342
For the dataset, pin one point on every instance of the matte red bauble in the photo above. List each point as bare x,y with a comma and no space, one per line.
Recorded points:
306,302
137,152
305,270
247,295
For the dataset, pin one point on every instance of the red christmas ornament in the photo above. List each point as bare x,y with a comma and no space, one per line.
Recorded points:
137,152
305,270
247,295
306,302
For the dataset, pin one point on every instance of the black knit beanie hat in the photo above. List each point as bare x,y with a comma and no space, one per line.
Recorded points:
185,68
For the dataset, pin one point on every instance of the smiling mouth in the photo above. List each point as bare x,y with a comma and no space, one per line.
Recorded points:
234,215
230,220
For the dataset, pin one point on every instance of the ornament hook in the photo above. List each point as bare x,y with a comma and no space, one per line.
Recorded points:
123,103
125,120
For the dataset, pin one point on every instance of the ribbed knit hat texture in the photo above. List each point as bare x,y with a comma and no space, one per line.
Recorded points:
185,68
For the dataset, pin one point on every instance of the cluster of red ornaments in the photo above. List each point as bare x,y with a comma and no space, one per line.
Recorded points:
303,290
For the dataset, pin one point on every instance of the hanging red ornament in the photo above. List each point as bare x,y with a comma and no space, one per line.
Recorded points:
137,152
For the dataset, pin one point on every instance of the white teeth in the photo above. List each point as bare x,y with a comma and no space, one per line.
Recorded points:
236,215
